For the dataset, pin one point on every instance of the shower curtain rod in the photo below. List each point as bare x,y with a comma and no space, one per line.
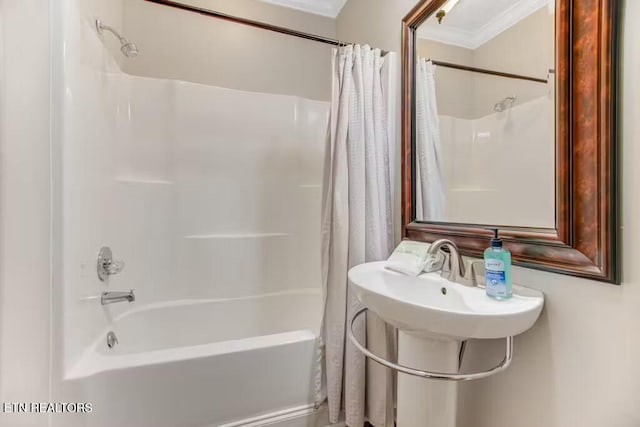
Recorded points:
256,24
492,72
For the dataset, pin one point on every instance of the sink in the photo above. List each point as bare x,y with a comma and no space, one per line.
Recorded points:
431,305
435,318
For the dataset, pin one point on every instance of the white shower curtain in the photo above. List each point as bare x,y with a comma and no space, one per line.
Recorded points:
357,227
430,196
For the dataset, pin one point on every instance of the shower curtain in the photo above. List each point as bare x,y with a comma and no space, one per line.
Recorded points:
357,227
430,197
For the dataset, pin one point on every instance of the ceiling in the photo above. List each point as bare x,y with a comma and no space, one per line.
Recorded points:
329,8
471,23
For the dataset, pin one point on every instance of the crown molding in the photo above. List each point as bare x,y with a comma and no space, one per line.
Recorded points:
328,8
488,31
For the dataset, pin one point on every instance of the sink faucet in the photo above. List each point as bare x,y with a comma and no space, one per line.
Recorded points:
453,268
117,296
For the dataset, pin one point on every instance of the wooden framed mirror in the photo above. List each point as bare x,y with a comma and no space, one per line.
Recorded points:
509,122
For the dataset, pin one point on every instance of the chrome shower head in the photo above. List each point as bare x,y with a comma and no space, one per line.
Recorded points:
505,103
130,50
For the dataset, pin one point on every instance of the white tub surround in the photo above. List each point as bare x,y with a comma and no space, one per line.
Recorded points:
207,194
479,153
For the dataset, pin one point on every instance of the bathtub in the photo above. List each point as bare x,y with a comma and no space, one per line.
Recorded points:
233,362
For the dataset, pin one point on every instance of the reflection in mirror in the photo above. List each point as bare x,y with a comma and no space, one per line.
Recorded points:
484,130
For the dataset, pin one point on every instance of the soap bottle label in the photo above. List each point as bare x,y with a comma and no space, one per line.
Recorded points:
496,277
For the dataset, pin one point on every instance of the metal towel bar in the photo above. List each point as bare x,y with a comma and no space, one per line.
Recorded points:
431,375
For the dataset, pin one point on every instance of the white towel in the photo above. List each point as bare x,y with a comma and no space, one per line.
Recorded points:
409,258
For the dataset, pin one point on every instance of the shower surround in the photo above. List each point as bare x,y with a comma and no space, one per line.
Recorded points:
211,196
500,154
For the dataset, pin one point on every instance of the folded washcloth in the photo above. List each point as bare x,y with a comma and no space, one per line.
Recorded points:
409,258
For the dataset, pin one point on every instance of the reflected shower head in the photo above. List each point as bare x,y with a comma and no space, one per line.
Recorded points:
505,103
130,50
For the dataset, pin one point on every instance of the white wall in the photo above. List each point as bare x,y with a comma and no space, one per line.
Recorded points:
579,365
28,370
454,88
24,207
526,48
187,46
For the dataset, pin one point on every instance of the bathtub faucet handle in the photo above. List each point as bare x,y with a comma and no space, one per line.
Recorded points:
106,265
115,266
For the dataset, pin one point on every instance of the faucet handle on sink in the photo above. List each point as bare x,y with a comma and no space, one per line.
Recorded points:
474,271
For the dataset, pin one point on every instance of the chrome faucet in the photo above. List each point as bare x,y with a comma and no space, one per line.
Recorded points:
453,268
112,339
106,265
117,296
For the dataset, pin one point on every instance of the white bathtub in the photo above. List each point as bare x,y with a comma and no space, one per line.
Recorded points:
244,361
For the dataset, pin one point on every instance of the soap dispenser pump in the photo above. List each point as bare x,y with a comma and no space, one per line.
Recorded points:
497,263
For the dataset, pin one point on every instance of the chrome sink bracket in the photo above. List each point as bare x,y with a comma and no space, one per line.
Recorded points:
431,375
106,265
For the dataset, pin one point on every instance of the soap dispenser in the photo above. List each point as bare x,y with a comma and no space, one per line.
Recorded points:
497,263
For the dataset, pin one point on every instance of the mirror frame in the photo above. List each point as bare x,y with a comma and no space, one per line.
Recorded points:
585,240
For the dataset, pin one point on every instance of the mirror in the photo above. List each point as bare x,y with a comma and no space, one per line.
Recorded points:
509,121
485,114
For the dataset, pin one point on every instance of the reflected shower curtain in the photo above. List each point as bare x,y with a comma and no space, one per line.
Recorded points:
430,197
357,227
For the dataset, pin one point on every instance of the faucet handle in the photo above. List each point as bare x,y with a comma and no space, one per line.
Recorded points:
474,268
115,266
106,265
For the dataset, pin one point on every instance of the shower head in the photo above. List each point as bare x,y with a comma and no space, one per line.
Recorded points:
505,103
130,50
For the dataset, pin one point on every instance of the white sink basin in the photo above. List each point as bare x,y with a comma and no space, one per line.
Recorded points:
434,318
431,305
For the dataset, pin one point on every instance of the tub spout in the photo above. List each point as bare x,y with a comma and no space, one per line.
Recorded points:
117,296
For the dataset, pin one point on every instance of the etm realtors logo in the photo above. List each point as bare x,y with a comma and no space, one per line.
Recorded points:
46,407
